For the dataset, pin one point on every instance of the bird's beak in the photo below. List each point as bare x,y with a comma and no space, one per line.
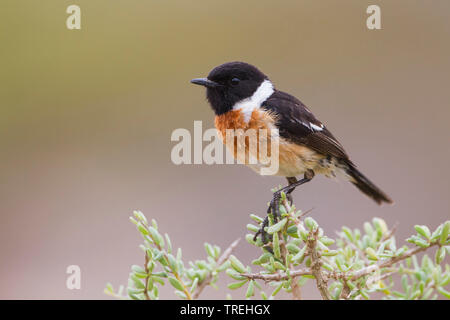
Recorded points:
205,82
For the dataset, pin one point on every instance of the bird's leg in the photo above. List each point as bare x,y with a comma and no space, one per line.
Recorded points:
274,206
291,180
294,183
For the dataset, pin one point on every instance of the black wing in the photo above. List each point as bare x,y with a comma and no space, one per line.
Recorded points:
297,124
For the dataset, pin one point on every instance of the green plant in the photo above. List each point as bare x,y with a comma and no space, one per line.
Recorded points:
164,264
355,265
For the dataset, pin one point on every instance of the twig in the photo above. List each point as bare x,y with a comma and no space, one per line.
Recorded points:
389,262
316,265
356,248
305,213
345,293
344,276
390,233
278,276
225,255
147,271
296,290
174,272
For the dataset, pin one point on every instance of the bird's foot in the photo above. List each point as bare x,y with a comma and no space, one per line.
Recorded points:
262,232
274,209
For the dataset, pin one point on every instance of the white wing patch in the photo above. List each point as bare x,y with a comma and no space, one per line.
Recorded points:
311,126
248,105
316,127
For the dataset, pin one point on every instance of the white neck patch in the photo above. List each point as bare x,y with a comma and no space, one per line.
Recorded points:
248,105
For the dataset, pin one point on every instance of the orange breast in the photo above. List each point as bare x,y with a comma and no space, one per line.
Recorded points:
246,132
294,159
235,120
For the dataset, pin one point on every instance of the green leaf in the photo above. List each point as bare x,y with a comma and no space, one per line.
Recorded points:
339,263
181,294
292,248
423,231
444,233
364,294
276,246
310,223
249,238
405,284
330,253
348,233
137,269
150,283
437,233
444,292
169,243
133,296
209,250
327,241
300,255
224,266
422,243
440,255
194,285
303,235
155,235
176,284
172,263
277,289
292,231
368,228
134,221
446,280
236,285
265,257
252,228
257,218
400,251
161,274
250,289
381,224
415,295
137,282
279,266
109,287
142,229
235,275
327,266
277,227
140,216
237,265
371,254
268,267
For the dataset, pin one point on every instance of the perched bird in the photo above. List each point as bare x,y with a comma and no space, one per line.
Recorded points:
242,97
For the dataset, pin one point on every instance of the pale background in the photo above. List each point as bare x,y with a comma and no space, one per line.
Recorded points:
86,118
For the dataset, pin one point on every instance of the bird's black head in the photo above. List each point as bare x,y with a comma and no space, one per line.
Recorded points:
229,83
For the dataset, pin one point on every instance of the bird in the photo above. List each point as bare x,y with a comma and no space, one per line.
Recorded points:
243,97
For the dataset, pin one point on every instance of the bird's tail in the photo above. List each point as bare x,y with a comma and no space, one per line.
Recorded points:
365,185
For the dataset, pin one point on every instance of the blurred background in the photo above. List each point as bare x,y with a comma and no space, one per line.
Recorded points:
86,118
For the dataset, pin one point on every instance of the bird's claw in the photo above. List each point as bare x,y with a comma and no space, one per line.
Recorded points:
274,209
262,232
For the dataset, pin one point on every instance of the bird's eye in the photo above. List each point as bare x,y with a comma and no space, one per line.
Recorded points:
235,81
